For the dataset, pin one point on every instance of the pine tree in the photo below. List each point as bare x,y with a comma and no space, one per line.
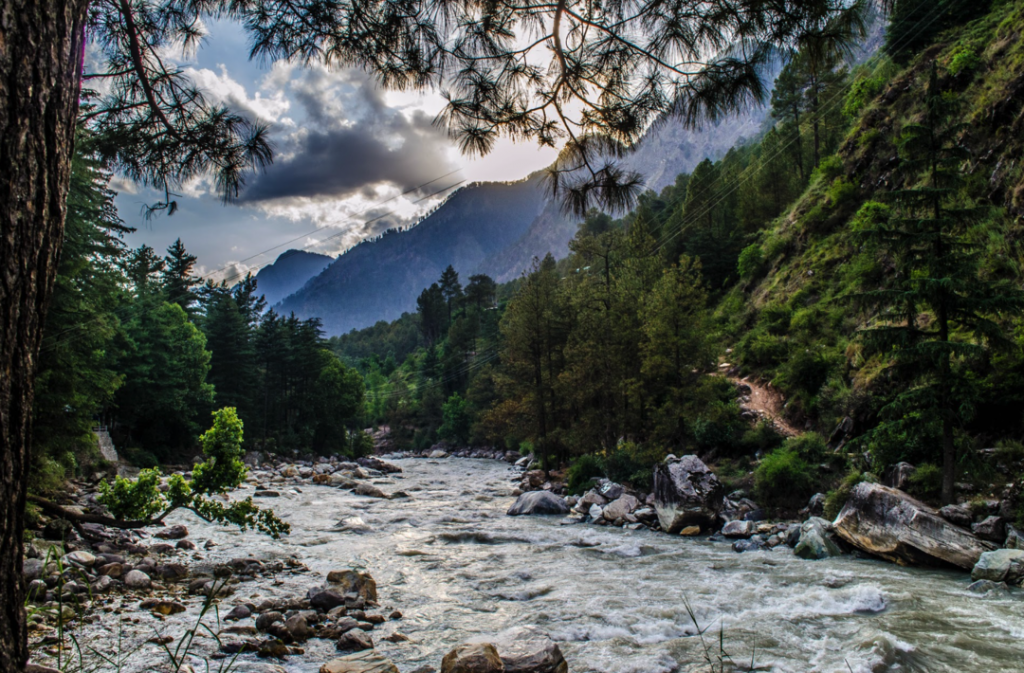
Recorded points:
929,235
451,289
178,280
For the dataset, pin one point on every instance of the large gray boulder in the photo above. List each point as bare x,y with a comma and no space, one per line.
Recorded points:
524,649
1001,565
686,493
538,502
816,540
888,523
621,507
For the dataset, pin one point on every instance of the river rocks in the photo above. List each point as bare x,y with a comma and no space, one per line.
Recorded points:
958,515
609,490
755,543
898,476
325,599
136,579
473,658
890,524
237,613
992,528
686,493
987,586
376,463
354,641
438,453
353,581
526,650
816,540
264,621
101,585
369,490
367,661
1014,538
589,499
298,628
532,480
1001,565
620,508
82,559
342,481
738,529
175,532
538,502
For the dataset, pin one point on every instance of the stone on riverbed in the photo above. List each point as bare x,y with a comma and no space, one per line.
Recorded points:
353,581
890,524
816,540
366,661
620,507
473,658
325,599
526,650
538,502
355,640
686,493
1001,565
136,579
175,532
369,490
738,529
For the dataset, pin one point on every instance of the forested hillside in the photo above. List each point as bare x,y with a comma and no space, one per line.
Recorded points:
289,272
862,257
135,342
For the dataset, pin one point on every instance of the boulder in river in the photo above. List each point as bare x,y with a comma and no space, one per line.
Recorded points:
890,524
355,640
353,581
538,502
957,514
686,493
524,649
136,579
473,658
738,529
367,661
992,528
816,540
175,532
1001,565
369,490
620,507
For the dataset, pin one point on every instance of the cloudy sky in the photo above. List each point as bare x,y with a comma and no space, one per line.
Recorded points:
350,161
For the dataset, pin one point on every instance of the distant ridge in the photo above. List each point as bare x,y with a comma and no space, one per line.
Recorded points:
289,273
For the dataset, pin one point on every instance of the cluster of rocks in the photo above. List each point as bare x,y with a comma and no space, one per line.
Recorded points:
268,478
518,650
446,450
344,609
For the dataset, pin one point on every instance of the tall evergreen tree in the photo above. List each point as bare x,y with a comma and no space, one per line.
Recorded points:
178,280
451,289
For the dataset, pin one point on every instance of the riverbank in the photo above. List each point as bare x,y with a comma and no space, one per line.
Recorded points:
456,567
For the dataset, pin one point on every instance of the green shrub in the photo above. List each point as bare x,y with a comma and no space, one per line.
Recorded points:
750,262
763,437
836,498
776,318
841,192
926,481
810,446
763,350
964,60
581,471
715,433
783,479
806,370
830,168
456,420
140,458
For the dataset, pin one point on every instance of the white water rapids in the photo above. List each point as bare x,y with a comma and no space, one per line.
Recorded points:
457,567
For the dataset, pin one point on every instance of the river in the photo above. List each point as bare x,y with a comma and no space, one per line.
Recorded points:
615,600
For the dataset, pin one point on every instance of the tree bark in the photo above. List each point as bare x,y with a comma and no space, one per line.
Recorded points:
41,52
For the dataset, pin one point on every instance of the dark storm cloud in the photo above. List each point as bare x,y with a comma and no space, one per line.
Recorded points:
348,141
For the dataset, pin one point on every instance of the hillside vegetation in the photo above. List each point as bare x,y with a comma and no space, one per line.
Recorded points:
794,258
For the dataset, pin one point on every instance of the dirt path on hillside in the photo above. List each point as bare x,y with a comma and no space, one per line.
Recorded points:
765,403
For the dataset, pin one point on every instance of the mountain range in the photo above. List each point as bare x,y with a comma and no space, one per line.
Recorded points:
496,228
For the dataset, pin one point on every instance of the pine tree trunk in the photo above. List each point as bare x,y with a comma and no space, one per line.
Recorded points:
41,49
